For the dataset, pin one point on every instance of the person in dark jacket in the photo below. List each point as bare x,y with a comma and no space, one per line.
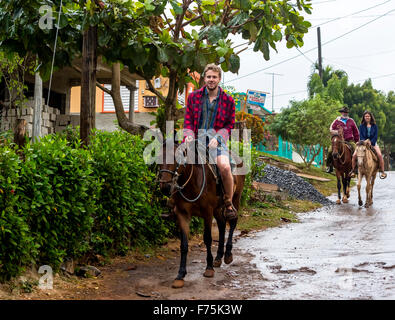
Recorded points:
350,132
368,132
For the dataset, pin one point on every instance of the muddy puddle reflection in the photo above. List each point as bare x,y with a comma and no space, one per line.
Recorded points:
337,252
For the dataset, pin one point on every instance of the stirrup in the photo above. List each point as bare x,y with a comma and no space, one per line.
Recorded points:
383,175
230,214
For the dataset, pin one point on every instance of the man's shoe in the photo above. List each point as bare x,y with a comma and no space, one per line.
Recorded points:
230,213
329,169
353,173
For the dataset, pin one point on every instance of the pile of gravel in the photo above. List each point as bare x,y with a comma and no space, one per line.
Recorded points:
296,186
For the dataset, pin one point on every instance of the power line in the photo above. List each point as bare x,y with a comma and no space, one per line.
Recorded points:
366,55
378,77
349,66
352,14
329,41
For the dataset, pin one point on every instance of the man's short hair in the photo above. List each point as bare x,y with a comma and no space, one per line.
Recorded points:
212,67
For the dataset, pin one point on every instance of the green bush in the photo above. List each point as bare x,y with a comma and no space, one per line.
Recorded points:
128,214
16,244
59,193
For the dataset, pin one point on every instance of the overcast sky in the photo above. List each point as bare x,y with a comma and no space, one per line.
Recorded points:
366,52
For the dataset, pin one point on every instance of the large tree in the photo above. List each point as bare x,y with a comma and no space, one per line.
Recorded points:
302,124
171,38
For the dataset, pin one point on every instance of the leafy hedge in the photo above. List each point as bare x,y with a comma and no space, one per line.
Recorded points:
16,242
63,200
67,201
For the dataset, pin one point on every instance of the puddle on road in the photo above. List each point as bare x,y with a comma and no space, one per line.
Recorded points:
337,252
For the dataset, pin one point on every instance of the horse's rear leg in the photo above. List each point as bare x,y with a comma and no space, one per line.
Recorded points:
221,242
344,180
228,253
209,273
360,203
371,189
182,271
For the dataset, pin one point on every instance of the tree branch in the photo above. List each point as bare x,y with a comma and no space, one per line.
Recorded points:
98,84
190,21
108,91
152,89
168,22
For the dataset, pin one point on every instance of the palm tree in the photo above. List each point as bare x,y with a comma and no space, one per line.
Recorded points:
315,84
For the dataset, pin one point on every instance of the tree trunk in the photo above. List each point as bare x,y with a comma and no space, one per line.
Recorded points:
38,104
88,83
123,121
20,133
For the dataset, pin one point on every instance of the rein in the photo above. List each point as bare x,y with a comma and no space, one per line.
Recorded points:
179,188
342,143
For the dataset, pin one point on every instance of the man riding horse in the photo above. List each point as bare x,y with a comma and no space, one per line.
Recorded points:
350,133
211,110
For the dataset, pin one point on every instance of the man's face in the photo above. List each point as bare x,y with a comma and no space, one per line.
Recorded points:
344,114
211,79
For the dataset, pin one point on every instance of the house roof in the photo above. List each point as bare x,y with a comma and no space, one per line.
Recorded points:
66,77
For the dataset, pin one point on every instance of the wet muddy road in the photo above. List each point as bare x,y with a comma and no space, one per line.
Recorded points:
338,252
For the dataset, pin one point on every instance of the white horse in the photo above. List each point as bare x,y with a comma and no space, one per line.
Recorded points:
368,165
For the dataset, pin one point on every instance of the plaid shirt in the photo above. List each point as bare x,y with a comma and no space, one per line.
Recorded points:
224,119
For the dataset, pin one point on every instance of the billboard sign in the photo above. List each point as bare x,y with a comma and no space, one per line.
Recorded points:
256,98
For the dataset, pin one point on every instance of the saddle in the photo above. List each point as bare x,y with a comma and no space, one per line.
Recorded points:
350,146
374,153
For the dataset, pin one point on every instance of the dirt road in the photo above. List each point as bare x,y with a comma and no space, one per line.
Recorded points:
337,252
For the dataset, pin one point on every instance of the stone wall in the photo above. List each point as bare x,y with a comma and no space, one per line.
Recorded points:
48,118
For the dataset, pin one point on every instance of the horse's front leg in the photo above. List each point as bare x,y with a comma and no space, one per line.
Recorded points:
229,244
368,189
344,180
221,242
339,188
184,231
209,273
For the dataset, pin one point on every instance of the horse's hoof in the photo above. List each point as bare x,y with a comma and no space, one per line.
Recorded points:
228,259
345,200
209,273
217,263
360,203
178,283
338,201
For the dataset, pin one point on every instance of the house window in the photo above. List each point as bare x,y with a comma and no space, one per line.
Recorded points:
150,101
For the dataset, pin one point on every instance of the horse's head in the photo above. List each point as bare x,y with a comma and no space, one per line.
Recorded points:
168,168
336,146
361,150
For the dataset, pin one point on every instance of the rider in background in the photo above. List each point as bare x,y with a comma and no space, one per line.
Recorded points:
368,132
211,110
350,132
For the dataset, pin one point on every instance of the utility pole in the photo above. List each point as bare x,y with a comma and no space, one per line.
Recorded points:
273,74
319,52
324,150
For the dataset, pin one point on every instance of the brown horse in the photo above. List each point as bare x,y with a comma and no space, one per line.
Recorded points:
193,191
368,166
342,156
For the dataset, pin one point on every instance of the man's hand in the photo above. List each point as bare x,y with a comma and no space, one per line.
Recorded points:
213,143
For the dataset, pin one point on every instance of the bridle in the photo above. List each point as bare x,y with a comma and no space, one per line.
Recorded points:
175,187
342,142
